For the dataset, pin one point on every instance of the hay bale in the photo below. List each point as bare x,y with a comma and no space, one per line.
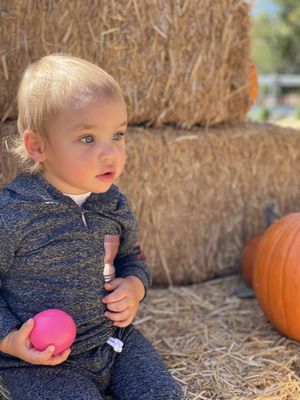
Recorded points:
199,194
8,168
177,62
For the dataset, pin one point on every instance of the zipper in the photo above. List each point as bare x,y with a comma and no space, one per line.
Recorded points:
82,210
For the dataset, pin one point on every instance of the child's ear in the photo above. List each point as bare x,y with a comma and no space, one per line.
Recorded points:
34,145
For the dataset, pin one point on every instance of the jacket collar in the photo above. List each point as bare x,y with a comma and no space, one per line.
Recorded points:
34,188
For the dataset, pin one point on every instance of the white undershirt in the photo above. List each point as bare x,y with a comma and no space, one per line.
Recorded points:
78,198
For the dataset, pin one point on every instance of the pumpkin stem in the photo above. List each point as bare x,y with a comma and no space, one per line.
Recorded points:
271,213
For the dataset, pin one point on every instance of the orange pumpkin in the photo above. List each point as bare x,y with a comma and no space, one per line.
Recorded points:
276,276
247,258
252,89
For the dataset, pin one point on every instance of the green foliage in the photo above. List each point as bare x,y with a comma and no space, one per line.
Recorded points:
265,52
276,39
264,114
297,113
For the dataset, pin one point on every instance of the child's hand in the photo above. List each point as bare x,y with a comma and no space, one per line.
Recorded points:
123,302
17,344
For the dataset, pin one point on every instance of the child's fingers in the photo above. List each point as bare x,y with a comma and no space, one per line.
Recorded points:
123,324
26,329
118,306
114,284
39,357
117,316
60,358
115,296
47,356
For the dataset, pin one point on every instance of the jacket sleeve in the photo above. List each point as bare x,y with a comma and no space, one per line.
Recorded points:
8,321
130,259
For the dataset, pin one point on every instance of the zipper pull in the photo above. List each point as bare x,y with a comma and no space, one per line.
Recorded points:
83,217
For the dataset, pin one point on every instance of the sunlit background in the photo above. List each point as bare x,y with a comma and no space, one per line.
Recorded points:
276,53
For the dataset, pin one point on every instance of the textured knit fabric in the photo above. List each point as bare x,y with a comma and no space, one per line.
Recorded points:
41,383
137,374
50,259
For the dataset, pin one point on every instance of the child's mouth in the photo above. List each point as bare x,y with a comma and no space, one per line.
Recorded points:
106,176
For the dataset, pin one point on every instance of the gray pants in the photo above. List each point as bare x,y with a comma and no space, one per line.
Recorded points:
136,374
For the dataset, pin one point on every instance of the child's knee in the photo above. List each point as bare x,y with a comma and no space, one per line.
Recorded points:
170,391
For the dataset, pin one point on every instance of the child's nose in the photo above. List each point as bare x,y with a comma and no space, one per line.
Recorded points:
106,151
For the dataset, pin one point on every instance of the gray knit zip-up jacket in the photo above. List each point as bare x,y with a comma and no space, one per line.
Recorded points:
50,259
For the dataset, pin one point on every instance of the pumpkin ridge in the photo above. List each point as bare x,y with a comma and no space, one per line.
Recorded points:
284,281
271,312
269,244
285,297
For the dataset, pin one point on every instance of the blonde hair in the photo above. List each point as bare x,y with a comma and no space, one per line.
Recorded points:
50,84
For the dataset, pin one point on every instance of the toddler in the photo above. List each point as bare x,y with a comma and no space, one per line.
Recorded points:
68,240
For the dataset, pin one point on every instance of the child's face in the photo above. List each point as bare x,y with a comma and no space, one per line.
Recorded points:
85,151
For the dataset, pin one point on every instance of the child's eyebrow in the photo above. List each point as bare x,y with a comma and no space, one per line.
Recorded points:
82,126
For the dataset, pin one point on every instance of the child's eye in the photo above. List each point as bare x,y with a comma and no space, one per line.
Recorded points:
118,136
87,139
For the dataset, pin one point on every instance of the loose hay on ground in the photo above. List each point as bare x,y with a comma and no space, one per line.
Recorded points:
177,61
219,346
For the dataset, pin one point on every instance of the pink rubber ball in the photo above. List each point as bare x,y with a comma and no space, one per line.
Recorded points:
53,327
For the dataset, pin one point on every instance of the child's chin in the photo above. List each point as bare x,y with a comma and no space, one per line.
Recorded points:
103,190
